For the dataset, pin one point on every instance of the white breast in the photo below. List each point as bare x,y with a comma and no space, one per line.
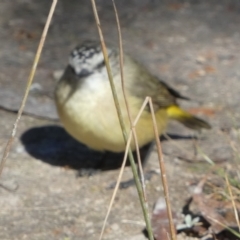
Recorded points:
89,115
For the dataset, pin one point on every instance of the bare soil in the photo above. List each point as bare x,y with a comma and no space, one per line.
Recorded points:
193,45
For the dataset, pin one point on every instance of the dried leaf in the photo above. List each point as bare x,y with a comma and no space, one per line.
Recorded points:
212,209
160,222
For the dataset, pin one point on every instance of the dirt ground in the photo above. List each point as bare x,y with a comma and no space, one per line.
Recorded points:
192,45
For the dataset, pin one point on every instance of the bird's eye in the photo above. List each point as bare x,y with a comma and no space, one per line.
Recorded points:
84,72
101,64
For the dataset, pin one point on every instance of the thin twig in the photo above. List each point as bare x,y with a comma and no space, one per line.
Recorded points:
233,202
122,167
125,135
29,82
225,226
163,173
126,101
117,185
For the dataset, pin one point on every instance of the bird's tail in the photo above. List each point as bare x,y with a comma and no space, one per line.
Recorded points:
187,119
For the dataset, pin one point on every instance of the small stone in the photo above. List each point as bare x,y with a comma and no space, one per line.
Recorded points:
200,59
115,227
201,73
36,87
57,74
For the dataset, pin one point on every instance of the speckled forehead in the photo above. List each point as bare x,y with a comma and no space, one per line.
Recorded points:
85,57
85,51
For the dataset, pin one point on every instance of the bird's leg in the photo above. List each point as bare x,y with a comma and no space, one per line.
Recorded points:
93,170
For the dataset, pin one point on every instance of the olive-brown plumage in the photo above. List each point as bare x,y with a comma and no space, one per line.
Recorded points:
85,104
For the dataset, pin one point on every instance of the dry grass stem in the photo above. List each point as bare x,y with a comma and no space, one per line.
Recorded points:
144,205
225,226
29,82
163,173
126,101
233,202
117,185
205,156
123,165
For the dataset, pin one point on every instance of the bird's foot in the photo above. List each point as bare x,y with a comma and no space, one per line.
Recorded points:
87,172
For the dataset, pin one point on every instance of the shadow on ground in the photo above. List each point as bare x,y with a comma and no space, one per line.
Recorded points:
53,145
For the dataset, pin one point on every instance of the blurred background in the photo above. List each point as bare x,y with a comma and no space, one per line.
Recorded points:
192,45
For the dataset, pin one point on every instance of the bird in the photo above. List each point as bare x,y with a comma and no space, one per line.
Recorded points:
86,108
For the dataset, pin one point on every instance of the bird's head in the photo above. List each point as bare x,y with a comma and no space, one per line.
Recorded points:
87,58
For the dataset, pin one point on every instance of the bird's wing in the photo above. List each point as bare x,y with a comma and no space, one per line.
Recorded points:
144,84
174,92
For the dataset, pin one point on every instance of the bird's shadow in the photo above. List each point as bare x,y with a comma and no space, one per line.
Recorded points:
53,145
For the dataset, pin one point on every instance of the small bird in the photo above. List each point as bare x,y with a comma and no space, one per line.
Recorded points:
86,107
